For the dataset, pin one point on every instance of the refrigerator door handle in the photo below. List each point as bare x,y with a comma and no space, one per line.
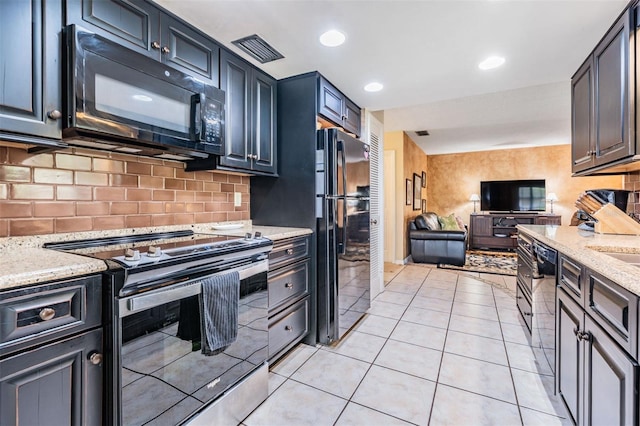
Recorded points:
343,159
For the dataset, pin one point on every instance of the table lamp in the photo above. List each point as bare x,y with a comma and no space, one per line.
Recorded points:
475,198
551,198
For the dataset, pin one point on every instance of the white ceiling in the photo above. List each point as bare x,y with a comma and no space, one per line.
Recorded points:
426,52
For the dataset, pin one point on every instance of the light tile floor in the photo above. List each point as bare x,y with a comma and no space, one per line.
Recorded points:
437,347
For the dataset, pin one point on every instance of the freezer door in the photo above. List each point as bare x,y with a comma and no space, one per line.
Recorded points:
353,268
343,269
352,166
328,240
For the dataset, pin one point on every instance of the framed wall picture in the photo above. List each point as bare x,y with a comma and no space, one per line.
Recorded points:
409,195
417,191
424,205
424,179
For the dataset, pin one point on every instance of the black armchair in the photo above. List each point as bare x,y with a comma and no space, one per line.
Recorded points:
432,244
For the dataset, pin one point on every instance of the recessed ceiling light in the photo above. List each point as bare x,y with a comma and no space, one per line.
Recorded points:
491,62
332,38
374,86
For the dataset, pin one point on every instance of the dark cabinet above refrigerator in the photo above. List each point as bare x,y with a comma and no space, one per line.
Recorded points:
337,108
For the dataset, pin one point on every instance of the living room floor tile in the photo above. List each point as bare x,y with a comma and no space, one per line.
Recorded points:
398,394
477,326
420,331
435,283
312,407
358,415
431,304
408,288
333,373
411,359
480,377
475,311
453,406
418,334
426,317
475,298
386,309
477,347
362,346
394,297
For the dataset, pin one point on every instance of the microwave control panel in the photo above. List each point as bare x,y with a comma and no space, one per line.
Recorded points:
212,123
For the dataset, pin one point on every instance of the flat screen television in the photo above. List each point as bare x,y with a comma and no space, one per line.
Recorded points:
513,195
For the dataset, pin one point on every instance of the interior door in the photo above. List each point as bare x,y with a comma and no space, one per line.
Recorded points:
374,134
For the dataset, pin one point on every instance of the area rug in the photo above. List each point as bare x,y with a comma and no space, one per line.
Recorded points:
488,262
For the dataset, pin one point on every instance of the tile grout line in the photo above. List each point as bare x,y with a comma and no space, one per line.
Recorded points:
444,345
504,345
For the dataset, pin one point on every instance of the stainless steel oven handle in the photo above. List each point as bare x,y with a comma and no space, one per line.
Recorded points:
133,304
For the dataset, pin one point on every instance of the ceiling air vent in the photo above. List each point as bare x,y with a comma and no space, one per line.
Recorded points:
258,48
422,132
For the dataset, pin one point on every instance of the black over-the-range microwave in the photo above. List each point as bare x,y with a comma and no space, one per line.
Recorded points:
120,100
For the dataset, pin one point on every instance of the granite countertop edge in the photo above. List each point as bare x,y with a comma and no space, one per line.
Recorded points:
24,262
587,248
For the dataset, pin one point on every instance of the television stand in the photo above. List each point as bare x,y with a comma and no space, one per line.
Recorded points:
497,230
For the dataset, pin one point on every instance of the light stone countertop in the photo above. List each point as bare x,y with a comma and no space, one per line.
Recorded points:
588,248
24,262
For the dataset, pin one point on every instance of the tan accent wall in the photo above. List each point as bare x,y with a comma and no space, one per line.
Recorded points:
86,190
452,178
410,159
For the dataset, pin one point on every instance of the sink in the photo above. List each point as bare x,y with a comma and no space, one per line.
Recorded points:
630,258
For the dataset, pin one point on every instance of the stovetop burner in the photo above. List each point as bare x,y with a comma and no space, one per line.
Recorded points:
157,248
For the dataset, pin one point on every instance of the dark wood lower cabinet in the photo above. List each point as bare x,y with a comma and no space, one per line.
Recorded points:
569,317
610,380
595,378
55,384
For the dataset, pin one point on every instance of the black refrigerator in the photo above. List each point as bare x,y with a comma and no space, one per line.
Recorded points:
342,210
339,275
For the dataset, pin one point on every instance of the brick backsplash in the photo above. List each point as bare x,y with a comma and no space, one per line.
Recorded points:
86,190
632,183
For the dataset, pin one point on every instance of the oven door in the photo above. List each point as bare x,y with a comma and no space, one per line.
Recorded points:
164,376
114,92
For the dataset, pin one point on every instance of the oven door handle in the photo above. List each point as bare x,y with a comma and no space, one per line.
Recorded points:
133,304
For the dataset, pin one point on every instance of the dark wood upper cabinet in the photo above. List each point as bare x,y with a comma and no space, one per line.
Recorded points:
140,26
581,118
250,140
603,99
30,101
337,108
612,107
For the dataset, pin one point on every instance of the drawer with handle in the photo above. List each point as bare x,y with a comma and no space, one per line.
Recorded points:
39,313
570,277
288,327
289,250
615,309
288,283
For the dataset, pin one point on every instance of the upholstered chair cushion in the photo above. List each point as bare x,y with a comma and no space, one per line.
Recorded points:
428,221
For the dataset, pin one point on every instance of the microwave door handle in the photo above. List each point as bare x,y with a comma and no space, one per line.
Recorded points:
195,116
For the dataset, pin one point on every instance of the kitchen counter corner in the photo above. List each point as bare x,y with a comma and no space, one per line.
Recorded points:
589,249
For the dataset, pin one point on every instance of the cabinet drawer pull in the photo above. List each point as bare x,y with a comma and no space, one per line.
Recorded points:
47,314
95,358
288,285
155,45
288,328
165,50
289,251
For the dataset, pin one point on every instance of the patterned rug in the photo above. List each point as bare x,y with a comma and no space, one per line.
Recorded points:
488,262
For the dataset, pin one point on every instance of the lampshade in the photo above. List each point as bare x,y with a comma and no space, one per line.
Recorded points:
552,196
474,197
